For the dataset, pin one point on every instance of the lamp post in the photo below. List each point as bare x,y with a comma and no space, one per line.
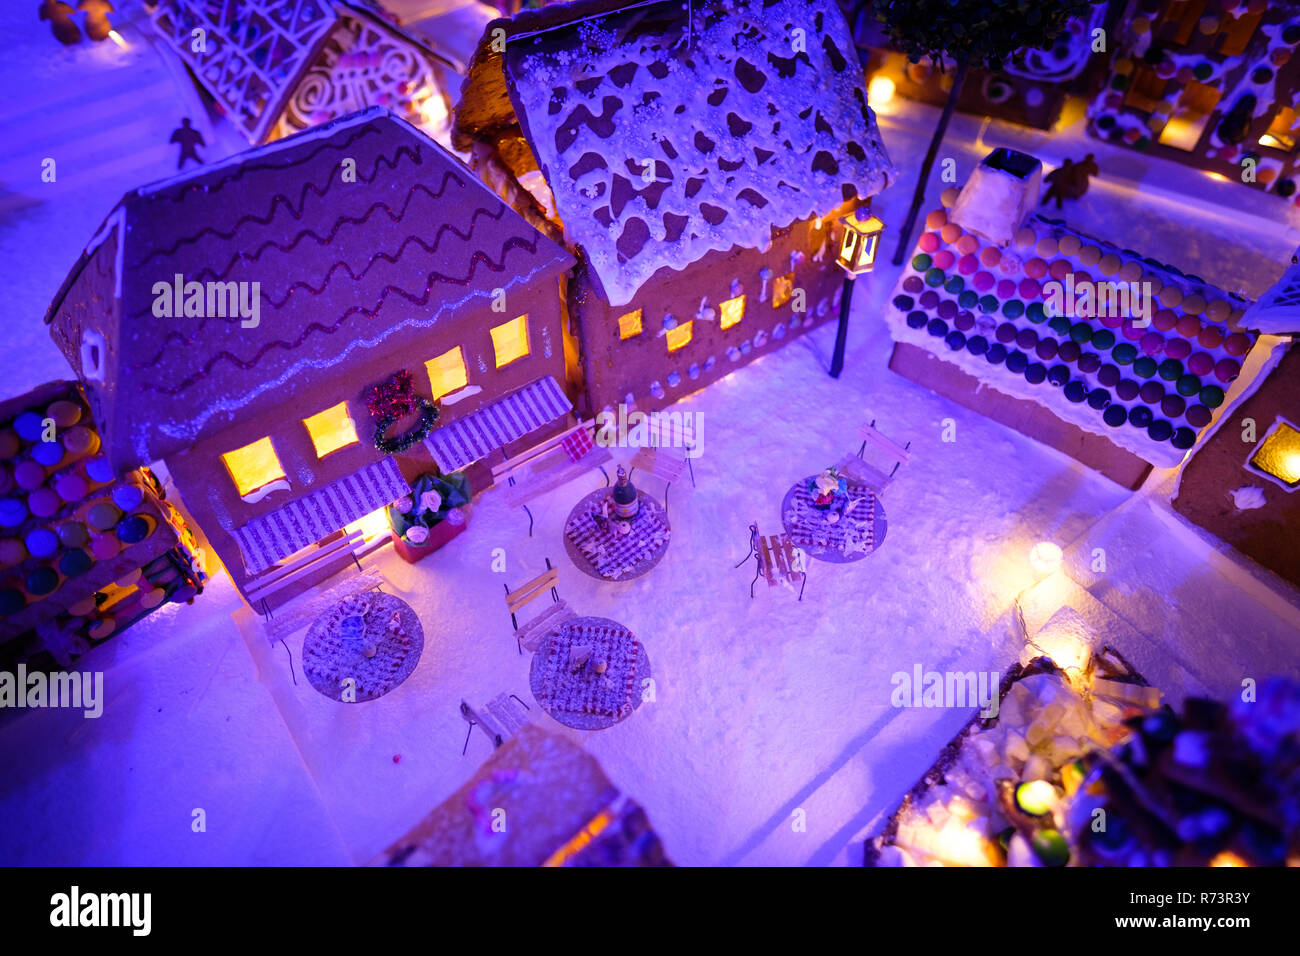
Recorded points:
857,257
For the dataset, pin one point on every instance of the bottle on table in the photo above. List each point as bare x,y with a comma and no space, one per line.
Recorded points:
627,502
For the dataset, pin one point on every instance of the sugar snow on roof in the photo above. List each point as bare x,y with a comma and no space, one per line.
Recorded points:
661,149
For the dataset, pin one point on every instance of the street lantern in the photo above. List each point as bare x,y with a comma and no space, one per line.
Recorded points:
861,240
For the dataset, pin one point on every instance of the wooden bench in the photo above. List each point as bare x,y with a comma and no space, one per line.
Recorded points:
552,616
873,478
546,466
500,718
778,560
310,562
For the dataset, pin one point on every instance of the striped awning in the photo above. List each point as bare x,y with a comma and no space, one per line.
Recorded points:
275,536
477,435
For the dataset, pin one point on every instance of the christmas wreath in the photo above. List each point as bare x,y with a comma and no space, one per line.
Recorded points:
393,400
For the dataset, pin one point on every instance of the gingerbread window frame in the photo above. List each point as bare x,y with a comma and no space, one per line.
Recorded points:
1279,424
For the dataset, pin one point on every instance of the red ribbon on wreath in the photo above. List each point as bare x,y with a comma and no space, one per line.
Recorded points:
391,400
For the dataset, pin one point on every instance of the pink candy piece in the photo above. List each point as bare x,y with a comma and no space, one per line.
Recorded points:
1189,326
1006,289
1227,369
1059,269
1035,268
1132,332
1153,343
983,281
1178,348
944,259
929,242
43,502
104,546
1029,289
1111,321
967,264
1010,263
70,486
1164,320
1237,344
1200,364
29,475
1211,337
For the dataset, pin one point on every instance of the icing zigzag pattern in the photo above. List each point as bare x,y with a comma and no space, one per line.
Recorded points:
174,335
280,198
421,300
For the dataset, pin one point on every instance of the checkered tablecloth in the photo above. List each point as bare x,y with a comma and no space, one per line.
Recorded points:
616,556
810,528
578,696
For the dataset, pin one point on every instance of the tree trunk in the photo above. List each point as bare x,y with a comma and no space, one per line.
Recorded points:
842,330
918,197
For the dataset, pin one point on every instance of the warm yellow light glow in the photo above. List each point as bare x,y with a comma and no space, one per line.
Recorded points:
117,38
880,91
1045,557
680,336
371,526
1183,131
511,341
331,429
1036,797
447,372
253,466
1219,176
1271,141
629,324
582,838
1281,131
782,290
1279,455
1228,858
1066,651
733,310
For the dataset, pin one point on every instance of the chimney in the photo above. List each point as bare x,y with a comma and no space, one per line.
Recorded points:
1000,193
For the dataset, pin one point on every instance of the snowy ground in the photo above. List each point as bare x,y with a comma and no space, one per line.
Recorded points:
763,707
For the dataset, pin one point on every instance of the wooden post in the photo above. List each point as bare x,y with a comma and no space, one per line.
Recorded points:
842,331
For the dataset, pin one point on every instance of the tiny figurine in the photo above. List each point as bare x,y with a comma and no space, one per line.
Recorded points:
97,26
1069,180
60,16
825,487
188,138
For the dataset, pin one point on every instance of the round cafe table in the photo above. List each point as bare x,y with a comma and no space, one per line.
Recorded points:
334,649
604,553
577,696
858,532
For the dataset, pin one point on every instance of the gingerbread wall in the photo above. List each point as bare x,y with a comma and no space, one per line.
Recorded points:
642,367
1268,534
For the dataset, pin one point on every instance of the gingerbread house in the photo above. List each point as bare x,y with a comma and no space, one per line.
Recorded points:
1116,359
1243,484
1031,89
677,152
1211,83
279,66
85,550
277,327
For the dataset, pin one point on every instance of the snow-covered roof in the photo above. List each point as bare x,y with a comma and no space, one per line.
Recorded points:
1277,311
663,141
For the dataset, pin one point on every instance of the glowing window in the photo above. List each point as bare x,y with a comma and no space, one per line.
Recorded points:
331,429
447,373
511,341
1236,32
1282,131
253,466
629,325
1278,455
733,310
680,337
783,289
1184,129
1145,90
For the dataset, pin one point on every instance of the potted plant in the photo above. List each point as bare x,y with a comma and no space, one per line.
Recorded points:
430,516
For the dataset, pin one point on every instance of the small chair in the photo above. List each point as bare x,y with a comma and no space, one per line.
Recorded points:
856,466
550,464
500,719
552,616
777,559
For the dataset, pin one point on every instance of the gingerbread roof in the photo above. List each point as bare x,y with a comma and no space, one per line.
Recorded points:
341,267
663,141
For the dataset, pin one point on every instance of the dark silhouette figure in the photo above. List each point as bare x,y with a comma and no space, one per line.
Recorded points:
1070,180
97,11
189,138
60,16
